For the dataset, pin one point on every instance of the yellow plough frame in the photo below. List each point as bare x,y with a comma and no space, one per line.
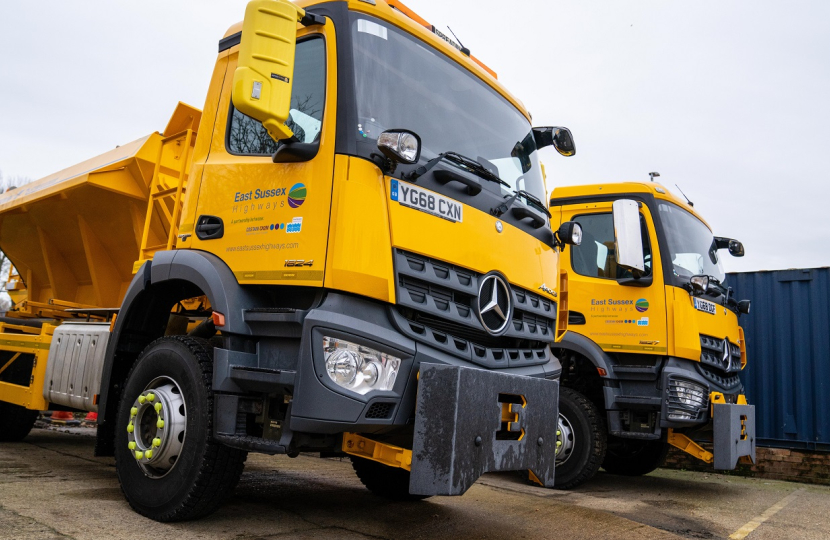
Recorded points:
16,341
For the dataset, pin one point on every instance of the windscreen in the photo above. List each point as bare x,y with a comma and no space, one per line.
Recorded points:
402,83
691,244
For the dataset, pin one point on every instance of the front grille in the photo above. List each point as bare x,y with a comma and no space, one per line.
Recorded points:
713,355
437,306
727,382
380,411
686,399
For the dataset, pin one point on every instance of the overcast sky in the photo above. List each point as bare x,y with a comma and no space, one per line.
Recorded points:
728,99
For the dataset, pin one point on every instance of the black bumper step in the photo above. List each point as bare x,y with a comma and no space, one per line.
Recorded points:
256,379
251,444
276,322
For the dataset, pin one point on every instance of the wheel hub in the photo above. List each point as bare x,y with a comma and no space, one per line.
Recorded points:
156,428
564,440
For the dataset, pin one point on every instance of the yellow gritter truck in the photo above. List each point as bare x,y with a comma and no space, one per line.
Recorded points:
653,349
314,262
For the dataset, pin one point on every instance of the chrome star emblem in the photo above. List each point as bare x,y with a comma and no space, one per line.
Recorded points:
727,356
494,303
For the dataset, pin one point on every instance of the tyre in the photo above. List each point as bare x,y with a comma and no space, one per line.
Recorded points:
169,467
15,422
633,457
581,432
388,482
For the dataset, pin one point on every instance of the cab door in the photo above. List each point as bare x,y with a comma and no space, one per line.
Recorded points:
269,221
607,304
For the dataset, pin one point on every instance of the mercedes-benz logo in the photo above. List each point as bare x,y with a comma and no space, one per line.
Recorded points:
727,356
494,304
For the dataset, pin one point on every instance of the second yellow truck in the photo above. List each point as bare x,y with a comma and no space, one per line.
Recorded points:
653,349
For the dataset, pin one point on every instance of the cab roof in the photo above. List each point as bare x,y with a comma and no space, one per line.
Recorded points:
396,13
655,189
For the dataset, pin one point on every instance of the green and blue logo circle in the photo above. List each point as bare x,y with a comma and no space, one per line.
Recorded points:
297,195
641,305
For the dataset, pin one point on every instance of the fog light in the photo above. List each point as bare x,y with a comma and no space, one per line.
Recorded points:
358,368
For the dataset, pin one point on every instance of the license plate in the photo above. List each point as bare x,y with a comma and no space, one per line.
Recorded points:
426,201
705,306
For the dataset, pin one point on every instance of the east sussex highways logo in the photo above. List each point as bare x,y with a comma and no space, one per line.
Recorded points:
297,195
641,305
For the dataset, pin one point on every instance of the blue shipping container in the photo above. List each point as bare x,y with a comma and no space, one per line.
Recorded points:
787,377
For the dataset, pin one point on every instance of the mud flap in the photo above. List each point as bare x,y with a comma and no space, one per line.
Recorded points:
734,434
472,421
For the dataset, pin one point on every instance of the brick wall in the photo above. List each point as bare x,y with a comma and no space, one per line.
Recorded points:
772,463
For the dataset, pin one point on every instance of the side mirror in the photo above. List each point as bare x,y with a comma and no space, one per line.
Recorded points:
736,248
265,69
400,145
628,239
558,137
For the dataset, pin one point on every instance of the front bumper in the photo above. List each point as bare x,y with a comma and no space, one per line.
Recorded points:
440,416
320,406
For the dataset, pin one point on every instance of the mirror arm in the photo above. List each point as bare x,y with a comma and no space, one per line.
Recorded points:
721,242
558,243
386,165
311,19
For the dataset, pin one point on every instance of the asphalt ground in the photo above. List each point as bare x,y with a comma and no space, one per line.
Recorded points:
51,487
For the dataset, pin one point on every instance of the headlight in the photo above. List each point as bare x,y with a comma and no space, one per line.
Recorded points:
570,232
400,145
358,368
576,236
700,284
686,399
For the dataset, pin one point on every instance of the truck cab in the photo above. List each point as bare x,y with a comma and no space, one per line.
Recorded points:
653,341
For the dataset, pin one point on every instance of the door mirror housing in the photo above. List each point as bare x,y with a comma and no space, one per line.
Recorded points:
265,69
736,248
628,239
558,137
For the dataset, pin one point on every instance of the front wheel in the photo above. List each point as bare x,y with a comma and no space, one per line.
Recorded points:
634,457
580,440
169,467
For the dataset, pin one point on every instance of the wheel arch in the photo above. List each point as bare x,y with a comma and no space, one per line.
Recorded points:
170,277
589,350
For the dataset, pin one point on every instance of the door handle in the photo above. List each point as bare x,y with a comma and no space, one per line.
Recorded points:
209,228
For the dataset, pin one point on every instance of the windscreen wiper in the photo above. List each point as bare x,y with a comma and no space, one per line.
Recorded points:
455,158
531,199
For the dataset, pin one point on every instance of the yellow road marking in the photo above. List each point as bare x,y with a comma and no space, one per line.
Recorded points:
744,531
